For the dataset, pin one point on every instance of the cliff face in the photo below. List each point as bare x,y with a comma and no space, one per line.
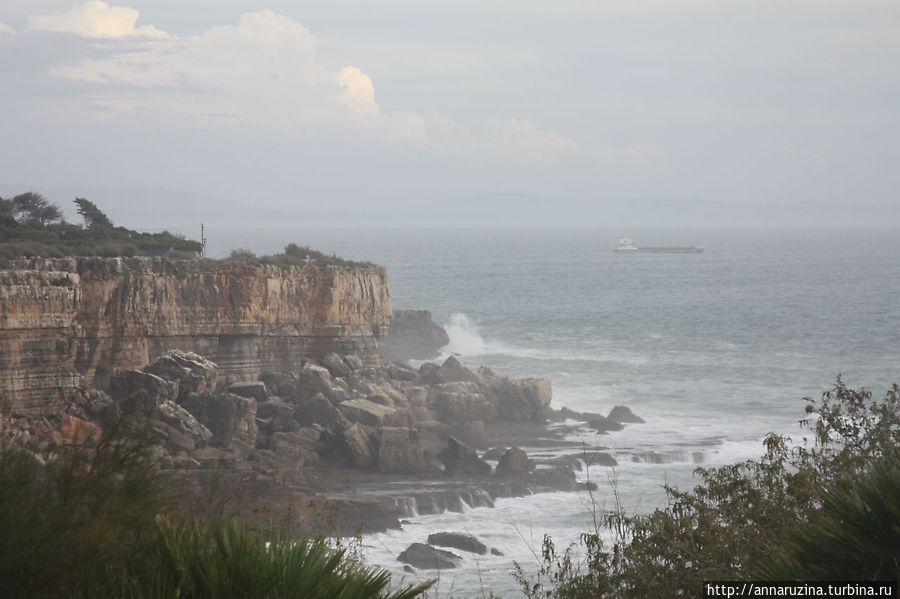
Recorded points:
61,315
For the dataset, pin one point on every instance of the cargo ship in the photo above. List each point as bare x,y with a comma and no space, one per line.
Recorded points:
627,245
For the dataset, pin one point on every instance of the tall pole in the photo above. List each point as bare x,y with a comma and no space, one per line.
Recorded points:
202,241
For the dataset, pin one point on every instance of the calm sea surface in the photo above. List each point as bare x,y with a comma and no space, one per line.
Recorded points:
713,350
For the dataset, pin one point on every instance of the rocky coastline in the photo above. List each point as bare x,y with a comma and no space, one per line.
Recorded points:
338,443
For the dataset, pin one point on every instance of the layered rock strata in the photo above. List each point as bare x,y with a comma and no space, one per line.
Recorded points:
61,317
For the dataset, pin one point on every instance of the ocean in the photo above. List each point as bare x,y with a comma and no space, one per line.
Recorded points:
713,350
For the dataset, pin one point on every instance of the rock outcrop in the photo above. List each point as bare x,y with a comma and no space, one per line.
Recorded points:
62,317
412,336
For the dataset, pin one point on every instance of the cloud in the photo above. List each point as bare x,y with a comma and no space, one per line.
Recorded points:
96,19
264,73
522,137
4,28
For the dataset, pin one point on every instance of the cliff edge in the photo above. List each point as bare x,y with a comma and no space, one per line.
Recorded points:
63,317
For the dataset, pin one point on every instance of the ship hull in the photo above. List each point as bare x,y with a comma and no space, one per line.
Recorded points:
670,250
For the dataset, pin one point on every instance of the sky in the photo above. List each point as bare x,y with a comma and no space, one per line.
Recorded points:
345,104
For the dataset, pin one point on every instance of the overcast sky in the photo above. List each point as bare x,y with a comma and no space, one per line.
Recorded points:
349,104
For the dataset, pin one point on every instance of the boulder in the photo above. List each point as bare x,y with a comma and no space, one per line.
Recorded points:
625,415
601,424
279,413
127,383
412,335
194,373
524,400
459,541
360,446
314,379
295,447
318,410
336,365
427,557
454,371
428,373
598,458
228,416
250,389
514,466
556,479
400,371
405,450
461,460
178,429
461,402
368,412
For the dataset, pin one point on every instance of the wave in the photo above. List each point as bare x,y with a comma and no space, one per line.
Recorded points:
465,338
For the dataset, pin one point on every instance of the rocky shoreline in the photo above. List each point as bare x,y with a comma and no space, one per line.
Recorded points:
338,446
358,447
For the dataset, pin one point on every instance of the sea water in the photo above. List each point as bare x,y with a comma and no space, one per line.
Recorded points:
713,350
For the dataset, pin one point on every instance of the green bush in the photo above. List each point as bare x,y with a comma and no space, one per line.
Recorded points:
735,524
96,520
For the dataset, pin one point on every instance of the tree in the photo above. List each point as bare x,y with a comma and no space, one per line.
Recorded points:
33,206
94,218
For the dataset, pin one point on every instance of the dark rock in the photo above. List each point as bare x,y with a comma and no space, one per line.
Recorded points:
228,416
473,433
557,479
514,466
318,410
426,557
494,453
588,486
251,390
495,551
336,365
127,383
624,414
459,541
412,335
461,460
601,424
279,413
428,372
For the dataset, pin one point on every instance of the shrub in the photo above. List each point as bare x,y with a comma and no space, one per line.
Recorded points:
735,523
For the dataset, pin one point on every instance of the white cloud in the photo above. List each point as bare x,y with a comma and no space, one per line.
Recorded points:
265,72
96,19
4,28
522,137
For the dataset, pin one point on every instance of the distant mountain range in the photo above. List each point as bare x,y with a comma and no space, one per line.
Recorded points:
178,211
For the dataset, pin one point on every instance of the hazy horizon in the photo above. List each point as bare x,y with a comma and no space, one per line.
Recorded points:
348,106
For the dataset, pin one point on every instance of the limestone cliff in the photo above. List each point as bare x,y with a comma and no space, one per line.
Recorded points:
59,316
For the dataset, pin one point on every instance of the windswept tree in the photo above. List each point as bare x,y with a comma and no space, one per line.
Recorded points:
94,218
33,206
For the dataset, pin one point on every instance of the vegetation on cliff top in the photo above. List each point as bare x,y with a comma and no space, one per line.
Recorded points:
31,226
827,508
